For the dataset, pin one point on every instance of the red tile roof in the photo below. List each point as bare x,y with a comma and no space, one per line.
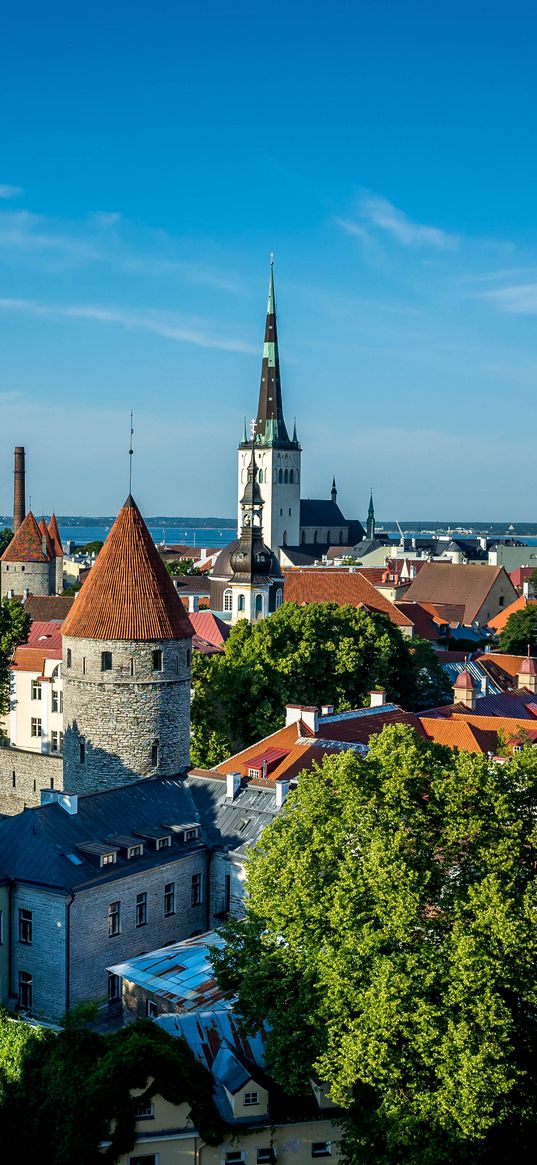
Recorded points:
499,621
42,525
48,607
54,532
334,585
27,544
459,734
425,625
453,587
128,593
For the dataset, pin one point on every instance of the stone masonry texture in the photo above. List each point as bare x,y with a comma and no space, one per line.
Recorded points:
23,775
121,715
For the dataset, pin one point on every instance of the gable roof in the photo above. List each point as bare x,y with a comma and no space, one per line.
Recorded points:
333,584
499,621
209,627
128,593
27,544
424,622
451,586
320,512
48,608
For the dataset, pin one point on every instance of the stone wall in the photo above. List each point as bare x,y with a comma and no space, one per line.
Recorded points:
23,775
227,897
45,958
38,577
113,719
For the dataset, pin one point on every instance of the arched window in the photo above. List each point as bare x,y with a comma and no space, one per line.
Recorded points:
154,754
279,597
291,476
228,600
296,476
341,537
303,537
285,537
259,606
328,537
315,536
280,476
286,476
241,605
260,477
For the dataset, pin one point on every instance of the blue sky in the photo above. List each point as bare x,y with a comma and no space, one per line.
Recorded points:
152,155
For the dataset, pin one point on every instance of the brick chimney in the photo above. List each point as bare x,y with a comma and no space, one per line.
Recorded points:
19,490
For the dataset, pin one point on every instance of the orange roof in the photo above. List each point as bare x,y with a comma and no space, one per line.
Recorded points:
509,663
29,659
55,537
284,738
425,622
128,593
499,621
459,734
27,544
452,587
42,526
332,585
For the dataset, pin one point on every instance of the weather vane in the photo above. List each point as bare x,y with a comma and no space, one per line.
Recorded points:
252,428
131,451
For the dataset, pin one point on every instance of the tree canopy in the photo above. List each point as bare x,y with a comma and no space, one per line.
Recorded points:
519,631
317,654
5,538
14,624
62,1094
390,943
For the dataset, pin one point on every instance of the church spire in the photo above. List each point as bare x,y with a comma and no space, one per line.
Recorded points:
333,491
270,425
371,518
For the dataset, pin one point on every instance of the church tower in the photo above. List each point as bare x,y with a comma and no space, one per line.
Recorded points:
126,666
278,456
251,561
370,529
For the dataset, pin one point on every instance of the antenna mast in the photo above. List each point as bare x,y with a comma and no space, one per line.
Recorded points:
131,451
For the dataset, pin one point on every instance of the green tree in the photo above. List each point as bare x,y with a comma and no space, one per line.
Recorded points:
14,625
519,631
91,547
432,686
390,944
67,1092
181,566
317,654
5,538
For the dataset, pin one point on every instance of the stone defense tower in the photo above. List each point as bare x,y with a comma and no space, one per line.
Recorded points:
28,563
126,667
278,458
19,488
255,568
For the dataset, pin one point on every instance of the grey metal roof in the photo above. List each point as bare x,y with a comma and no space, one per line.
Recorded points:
320,512
181,973
231,825
35,843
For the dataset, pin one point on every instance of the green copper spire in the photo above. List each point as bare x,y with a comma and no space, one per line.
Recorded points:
270,424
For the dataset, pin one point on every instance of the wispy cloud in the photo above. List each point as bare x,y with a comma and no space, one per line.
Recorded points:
170,325
9,191
519,299
381,214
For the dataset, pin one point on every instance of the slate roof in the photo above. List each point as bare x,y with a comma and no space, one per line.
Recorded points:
128,593
320,512
454,588
232,825
26,544
34,844
333,584
180,973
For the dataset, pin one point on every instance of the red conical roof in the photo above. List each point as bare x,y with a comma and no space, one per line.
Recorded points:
27,544
128,593
48,540
55,537
464,681
528,667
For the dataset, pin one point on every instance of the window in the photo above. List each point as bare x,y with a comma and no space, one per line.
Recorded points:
135,851
106,661
108,859
291,476
241,603
321,1149
114,991
285,537
169,898
191,834
281,511
151,1009
163,842
141,909
55,704
196,890
266,1156
228,599
14,779
154,754
188,657
61,741
114,926
280,476
52,782
250,1098
131,665
84,665
235,1158
68,657
144,1159
82,752
25,927
36,690
258,606
36,726
25,990
501,601
54,741
279,597
144,1110
156,660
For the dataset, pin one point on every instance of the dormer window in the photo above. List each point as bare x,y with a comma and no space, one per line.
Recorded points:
135,851
163,842
251,1098
108,859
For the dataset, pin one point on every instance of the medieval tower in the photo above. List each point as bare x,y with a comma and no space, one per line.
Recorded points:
126,666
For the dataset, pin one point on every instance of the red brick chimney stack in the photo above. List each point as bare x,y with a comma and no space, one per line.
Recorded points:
19,492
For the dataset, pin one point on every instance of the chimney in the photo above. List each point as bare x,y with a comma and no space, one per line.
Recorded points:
377,698
294,713
233,784
327,709
282,789
68,802
528,589
19,490
26,593
193,603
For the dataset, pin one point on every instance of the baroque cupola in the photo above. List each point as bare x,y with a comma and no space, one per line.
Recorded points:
251,561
